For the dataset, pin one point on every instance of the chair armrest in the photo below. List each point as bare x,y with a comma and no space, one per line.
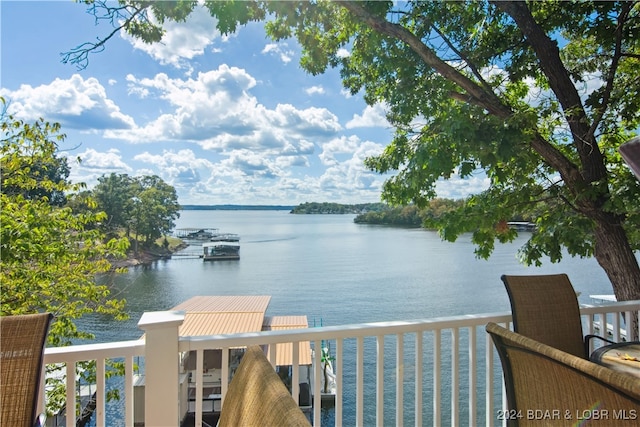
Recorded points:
588,338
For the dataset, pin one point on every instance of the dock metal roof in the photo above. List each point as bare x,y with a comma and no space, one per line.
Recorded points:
284,352
225,304
222,314
212,315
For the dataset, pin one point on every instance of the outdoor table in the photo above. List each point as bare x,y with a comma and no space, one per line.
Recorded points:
622,357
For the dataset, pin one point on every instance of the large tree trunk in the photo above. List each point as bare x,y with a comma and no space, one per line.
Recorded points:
614,254
619,262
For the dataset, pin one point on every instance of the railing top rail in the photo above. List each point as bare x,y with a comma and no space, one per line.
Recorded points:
375,328
76,353
136,347
342,331
620,306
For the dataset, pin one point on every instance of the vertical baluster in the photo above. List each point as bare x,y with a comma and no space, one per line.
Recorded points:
616,326
128,391
40,409
199,387
437,382
317,396
399,380
489,384
224,378
273,350
418,379
295,371
338,371
380,380
71,394
473,375
360,382
455,376
100,393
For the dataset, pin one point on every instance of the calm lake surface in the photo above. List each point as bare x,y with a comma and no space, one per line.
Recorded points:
335,272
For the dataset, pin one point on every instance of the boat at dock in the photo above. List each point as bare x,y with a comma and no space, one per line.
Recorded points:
222,246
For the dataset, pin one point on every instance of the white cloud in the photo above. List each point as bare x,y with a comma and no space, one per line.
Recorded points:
94,164
457,188
349,179
110,160
372,116
217,111
343,53
346,93
75,103
280,50
346,174
170,158
179,168
314,90
342,145
182,41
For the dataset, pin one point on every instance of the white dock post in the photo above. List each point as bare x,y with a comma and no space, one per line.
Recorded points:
161,402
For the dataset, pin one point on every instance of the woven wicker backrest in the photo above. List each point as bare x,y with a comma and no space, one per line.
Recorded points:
258,397
546,386
22,340
545,308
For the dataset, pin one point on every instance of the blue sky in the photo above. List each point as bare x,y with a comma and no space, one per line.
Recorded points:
224,119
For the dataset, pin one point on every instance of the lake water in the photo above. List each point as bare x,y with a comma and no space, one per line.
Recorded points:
335,272
331,269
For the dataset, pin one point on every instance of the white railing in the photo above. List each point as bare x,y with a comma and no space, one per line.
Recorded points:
440,371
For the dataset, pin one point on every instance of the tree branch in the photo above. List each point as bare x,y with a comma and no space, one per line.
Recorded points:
560,82
462,56
80,54
615,61
474,94
488,100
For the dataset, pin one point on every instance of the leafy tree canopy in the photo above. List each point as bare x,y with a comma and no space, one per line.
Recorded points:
536,95
50,255
145,205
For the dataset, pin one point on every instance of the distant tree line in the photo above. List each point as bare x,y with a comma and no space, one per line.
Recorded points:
337,208
436,211
236,207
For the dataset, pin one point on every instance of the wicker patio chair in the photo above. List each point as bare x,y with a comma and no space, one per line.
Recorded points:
546,386
22,341
545,308
258,397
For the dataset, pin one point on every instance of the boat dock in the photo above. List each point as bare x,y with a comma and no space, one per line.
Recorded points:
195,233
219,315
216,246
221,247
187,254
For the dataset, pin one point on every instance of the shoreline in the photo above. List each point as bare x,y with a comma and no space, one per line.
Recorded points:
146,257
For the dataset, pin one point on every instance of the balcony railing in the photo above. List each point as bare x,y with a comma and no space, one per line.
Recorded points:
440,371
